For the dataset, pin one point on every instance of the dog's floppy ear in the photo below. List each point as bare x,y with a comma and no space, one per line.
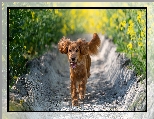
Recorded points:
63,45
83,45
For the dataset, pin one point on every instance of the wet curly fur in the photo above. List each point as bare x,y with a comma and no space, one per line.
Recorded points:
78,53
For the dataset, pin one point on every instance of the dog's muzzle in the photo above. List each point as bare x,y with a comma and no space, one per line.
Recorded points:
73,64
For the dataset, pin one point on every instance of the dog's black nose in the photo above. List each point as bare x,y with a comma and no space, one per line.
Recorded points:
73,59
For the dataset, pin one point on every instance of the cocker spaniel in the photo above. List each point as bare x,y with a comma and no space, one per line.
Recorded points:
78,53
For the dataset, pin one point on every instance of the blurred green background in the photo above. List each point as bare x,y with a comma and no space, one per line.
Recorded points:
33,31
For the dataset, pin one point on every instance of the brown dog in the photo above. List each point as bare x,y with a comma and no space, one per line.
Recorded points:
78,53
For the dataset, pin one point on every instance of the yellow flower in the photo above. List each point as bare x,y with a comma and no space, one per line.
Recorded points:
142,33
25,47
72,27
128,31
29,52
132,37
124,23
140,38
131,32
140,44
129,46
15,77
139,13
73,12
130,21
131,24
21,101
142,21
144,29
56,11
32,13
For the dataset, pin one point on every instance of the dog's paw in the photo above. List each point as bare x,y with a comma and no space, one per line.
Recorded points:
81,97
75,103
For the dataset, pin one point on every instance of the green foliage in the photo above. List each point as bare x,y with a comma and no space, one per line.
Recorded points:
31,32
128,30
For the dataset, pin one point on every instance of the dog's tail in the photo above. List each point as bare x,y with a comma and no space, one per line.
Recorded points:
94,44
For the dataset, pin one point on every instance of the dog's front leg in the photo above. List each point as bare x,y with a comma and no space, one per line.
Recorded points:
82,88
74,93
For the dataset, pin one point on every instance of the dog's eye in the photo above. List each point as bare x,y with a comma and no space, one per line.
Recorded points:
77,50
69,50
